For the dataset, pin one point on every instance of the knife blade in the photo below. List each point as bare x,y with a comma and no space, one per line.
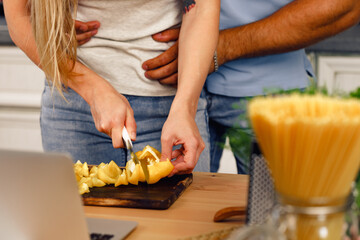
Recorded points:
129,145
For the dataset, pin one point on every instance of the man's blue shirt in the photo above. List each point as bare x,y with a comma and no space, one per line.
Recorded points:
251,76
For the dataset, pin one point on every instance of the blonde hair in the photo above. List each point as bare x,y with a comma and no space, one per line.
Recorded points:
54,31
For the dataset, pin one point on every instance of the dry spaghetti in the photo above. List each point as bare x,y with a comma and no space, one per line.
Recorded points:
311,144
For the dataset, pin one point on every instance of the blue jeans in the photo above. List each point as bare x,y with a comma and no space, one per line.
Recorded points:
223,115
69,127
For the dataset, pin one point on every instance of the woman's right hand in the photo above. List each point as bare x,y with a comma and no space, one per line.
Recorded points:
111,111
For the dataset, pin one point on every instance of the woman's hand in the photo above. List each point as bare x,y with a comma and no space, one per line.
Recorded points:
111,112
197,42
180,128
85,30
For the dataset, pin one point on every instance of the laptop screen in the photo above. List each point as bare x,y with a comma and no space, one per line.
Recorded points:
40,200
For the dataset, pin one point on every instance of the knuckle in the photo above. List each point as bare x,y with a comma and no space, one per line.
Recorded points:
88,35
173,68
167,81
195,142
153,63
130,111
116,144
162,59
167,71
191,165
104,126
174,78
150,74
202,144
174,51
115,122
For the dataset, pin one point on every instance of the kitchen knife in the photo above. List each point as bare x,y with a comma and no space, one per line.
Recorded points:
129,145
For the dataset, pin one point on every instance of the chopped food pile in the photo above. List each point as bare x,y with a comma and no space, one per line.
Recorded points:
110,173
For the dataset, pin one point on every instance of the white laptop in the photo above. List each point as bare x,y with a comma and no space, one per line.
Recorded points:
39,200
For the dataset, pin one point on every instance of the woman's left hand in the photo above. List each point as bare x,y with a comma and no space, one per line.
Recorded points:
180,129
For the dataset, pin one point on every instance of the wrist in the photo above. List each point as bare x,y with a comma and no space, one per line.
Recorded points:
219,54
88,84
184,106
221,49
215,59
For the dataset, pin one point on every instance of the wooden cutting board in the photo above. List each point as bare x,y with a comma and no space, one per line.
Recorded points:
160,195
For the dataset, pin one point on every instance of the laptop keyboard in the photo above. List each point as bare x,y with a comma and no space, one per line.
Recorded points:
101,236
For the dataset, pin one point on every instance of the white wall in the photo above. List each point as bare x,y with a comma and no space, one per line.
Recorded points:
227,162
21,85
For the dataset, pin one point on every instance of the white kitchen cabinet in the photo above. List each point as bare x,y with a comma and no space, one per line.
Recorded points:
339,73
21,85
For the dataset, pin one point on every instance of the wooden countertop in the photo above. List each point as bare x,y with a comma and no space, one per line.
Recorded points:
191,215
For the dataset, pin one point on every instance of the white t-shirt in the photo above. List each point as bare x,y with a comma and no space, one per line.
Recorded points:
124,41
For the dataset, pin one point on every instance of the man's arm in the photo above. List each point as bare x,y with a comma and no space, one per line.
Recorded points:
297,25
197,42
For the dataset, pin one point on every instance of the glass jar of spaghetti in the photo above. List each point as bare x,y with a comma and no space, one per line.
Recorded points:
317,219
